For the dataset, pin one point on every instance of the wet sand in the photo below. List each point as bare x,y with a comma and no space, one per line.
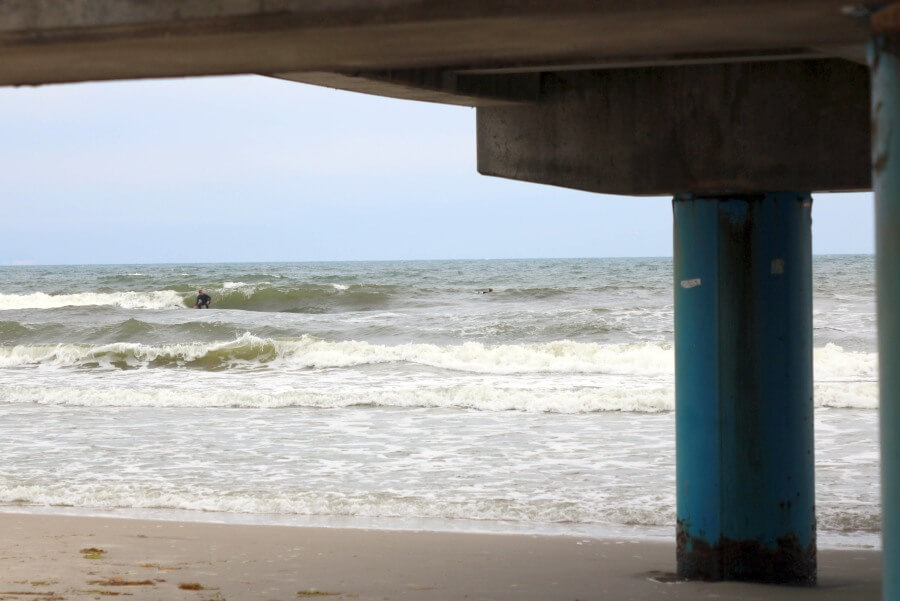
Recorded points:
61,557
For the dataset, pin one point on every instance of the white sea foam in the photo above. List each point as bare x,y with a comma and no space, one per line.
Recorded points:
655,510
243,288
640,399
833,365
157,299
846,395
632,397
554,357
631,378
493,421
327,503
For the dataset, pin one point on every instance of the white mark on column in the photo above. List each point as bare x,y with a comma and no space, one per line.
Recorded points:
692,283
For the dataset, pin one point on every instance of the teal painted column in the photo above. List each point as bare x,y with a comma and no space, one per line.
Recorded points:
885,63
743,388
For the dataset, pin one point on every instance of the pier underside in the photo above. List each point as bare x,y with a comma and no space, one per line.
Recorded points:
727,104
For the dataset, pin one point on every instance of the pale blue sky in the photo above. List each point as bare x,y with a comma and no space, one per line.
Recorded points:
257,169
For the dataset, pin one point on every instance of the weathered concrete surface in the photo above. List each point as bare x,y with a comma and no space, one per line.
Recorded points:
622,96
791,125
431,85
46,41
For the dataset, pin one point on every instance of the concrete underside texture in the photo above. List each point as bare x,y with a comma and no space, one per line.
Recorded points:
45,41
737,128
648,97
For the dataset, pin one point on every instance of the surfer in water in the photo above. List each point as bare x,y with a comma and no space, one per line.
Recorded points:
203,300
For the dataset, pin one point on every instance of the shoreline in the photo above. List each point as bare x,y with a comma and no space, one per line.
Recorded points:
49,557
387,524
650,534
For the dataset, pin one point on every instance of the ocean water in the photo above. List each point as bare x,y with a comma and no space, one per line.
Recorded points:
390,394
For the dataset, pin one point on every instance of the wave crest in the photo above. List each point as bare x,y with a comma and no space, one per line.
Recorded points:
644,373
157,299
647,359
307,298
253,296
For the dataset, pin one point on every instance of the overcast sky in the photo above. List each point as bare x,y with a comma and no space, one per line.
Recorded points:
257,169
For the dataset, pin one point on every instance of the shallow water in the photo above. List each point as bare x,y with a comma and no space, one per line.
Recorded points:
389,394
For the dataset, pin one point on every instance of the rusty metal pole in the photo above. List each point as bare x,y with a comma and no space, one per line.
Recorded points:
884,59
743,388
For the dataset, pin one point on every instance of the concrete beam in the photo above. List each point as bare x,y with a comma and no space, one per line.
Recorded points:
736,128
430,85
47,41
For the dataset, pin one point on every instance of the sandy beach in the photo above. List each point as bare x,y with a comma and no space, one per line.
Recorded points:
61,557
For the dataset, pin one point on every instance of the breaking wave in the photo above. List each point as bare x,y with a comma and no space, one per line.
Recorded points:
644,373
158,299
307,298
832,363
308,352
253,296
